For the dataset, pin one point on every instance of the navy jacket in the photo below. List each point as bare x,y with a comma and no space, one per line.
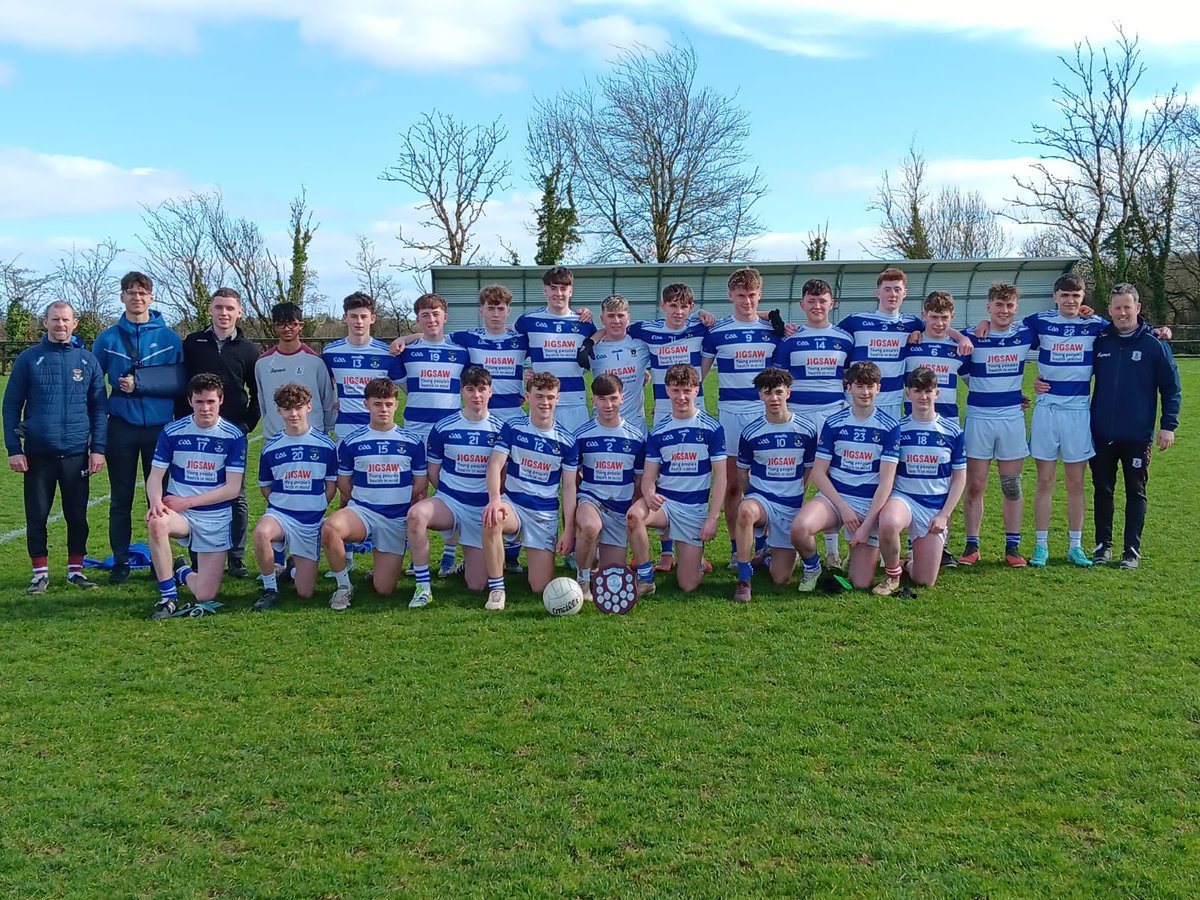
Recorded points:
234,361
55,403
155,346
1131,373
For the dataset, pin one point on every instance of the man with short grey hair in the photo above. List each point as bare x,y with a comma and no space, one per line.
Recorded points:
55,426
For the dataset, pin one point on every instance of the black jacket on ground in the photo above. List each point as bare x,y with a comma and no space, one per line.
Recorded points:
234,361
1131,373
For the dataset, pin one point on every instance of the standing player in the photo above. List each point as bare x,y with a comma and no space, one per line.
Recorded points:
995,423
206,458
854,469
774,456
293,362
743,345
459,448
354,362
611,458
617,353
297,474
500,350
939,352
683,484
533,457
555,336
930,478
381,467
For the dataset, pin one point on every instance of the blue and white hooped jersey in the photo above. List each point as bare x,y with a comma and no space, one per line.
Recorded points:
296,469
671,348
996,369
855,448
503,355
610,459
941,355
431,376
381,466
686,451
197,459
777,456
627,359
554,343
816,358
742,350
929,453
352,367
462,448
882,340
536,461
1065,357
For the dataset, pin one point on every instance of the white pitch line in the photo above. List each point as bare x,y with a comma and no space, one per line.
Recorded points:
57,517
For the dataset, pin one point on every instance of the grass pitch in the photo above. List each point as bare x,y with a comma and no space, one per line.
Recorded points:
1009,733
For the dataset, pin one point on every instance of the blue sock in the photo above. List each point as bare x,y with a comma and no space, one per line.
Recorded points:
812,563
645,571
280,557
972,542
745,571
167,589
422,574
668,547
512,551
1012,540
181,575
760,543
496,584
448,556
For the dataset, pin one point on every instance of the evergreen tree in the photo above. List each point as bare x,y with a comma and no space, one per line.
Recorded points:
557,225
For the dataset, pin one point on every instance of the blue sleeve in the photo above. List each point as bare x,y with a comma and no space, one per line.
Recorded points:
14,405
437,447
847,325
745,453
1169,388
571,454
891,445
236,459
958,453
98,409
810,450
345,459
504,439
418,459
264,471
716,442
709,345
827,443
163,451
396,368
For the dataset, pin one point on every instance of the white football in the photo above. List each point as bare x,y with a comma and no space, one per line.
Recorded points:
563,597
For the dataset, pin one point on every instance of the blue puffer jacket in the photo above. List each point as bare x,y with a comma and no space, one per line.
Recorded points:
156,346
55,404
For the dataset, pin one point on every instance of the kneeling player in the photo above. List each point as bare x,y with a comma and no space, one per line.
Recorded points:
533,456
611,455
774,456
930,478
297,474
683,484
459,448
206,457
853,472
380,468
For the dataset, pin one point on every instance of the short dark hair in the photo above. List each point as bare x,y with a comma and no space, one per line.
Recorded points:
227,293
381,388
358,300
429,301
131,280
772,377
287,312
606,385
475,376
205,381
682,375
679,293
863,372
292,396
939,302
816,287
922,378
1068,282
558,275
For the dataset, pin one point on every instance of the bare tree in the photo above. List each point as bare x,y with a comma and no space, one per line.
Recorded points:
23,293
1098,162
454,168
657,165
180,257
85,278
375,277
949,224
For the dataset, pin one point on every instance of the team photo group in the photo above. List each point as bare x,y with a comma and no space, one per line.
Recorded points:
831,442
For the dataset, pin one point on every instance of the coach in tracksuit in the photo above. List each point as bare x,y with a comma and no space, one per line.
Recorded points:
55,423
1133,369
223,350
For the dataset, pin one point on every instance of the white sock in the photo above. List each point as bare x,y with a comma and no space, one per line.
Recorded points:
1042,538
585,576
270,582
1076,538
831,544
343,577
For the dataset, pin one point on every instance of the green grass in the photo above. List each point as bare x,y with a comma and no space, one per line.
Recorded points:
1008,734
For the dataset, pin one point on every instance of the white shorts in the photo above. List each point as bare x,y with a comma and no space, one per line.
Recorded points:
209,531
1002,439
817,414
537,529
779,522
860,506
1056,433
684,521
734,424
612,530
468,521
302,540
922,516
572,418
386,535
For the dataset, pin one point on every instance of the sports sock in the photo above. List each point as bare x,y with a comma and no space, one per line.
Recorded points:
745,571
760,543
1012,541
448,553
182,573
812,563
512,551
831,544
496,584
74,564
41,566
972,542
645,571
1042,538
422,575
343,577
168,590
894,572
668,547
280,556
585,576
270,582
1075,538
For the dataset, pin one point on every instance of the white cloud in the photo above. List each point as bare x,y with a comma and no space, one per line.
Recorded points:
35,185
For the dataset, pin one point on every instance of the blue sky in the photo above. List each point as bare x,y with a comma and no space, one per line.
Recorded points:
107,104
